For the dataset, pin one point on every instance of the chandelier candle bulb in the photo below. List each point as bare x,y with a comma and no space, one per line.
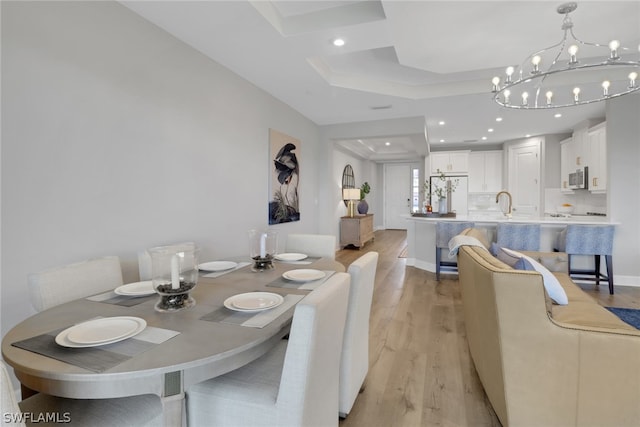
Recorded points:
536,64
576,94
509,73
506,96
632,79
573,50
496,84
614,45
525,98
549,95
605,87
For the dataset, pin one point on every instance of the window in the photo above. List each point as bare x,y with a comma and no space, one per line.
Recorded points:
415,190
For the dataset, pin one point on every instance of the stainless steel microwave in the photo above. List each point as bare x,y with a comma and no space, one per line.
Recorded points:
579,179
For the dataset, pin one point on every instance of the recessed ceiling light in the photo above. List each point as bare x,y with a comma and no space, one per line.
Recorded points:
527,135
484,138
338,42
490,130
441,122
442,140
498,119
558,115
387,143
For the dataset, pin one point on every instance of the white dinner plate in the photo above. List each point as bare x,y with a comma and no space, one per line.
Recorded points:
106,330
290,257
303,275
136,289
253,301
217,265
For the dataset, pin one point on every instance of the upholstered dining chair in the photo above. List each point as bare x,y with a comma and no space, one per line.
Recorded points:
445,231
314,245
355,346
63,284
145,410
294,384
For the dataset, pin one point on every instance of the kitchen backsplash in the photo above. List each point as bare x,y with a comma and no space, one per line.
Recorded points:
583,201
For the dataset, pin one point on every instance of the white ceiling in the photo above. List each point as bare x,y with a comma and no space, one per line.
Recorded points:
402,59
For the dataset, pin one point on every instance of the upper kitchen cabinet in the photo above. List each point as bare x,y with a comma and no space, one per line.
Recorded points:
485,171
597,142
449,162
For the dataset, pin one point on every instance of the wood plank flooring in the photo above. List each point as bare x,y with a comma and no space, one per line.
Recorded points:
420,370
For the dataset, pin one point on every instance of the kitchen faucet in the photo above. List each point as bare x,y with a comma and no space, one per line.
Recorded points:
508,214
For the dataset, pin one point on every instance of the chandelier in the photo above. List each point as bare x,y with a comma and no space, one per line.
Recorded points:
571,72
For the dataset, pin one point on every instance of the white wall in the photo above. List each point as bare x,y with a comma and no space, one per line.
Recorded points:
623,189
118,137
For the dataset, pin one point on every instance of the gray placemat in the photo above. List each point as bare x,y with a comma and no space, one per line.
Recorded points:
111,297
254,320
306,261
281,282
96,359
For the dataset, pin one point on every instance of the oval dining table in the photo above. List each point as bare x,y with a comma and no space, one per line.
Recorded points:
201,350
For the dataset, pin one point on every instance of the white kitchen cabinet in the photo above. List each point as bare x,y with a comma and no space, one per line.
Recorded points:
567,164
485,171
580,152
449,162
597,141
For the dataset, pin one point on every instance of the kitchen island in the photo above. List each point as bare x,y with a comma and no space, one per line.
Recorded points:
421,234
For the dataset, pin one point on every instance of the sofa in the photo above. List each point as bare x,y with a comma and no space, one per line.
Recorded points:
540,363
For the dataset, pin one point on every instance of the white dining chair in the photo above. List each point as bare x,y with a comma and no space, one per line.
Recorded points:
63,284
314,245
295,384
144,264
355,347
145,410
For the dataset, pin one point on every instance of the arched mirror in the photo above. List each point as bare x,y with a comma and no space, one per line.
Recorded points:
348,180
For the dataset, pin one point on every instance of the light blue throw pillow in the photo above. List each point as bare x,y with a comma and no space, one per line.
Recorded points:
551,283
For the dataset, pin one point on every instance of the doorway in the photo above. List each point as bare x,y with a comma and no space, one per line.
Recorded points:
397,195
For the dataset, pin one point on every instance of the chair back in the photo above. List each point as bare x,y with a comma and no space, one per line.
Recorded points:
445,231
9,402
314,245
519,237
308,393
589,239
63,284
355,347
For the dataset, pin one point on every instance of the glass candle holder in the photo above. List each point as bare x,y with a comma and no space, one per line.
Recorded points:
174,272
263,246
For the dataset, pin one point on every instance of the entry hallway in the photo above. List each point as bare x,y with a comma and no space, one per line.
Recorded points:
420,370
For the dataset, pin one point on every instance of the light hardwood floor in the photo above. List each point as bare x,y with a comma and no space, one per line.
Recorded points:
420,370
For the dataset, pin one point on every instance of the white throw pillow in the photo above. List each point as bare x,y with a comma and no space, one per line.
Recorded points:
551,284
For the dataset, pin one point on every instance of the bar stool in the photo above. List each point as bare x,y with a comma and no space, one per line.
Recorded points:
519,237
445,232
593,240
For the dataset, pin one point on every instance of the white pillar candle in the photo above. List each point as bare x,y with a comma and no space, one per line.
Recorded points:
175,272
263,245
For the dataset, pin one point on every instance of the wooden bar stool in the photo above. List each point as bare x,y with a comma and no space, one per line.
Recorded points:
596,240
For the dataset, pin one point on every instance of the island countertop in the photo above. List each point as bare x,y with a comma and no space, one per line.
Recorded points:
522,219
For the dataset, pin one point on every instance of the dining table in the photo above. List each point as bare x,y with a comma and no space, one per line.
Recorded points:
174,351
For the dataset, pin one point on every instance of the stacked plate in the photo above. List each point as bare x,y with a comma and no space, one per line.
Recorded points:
253,301
102,331
137,289
217,266
290,257
303,275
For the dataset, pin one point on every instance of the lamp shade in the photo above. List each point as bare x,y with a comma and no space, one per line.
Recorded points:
351,194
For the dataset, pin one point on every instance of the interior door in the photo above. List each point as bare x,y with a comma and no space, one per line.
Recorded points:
524,178
397,195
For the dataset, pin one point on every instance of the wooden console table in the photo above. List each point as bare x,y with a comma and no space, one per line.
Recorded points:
356,230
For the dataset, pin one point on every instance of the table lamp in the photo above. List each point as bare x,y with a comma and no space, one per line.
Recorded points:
351,194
